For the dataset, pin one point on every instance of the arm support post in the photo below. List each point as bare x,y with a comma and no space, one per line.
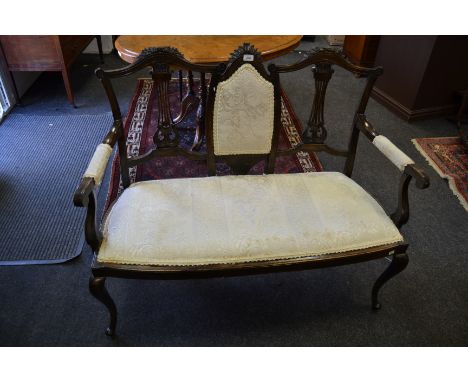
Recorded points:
404,163
85,193
86,197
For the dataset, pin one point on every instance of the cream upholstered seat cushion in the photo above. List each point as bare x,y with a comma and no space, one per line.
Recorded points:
232,219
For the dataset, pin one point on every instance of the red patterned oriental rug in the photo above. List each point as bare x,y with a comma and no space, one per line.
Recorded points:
449,158
140,126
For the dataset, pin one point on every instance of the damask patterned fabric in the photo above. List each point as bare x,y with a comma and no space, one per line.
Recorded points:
243,114
231,219
98,163
392,152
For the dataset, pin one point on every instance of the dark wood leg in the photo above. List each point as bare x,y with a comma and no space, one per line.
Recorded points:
188,102
68,86
399,263
200,132
99,44
98,290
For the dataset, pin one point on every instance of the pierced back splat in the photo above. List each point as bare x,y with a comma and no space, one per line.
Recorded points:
166,134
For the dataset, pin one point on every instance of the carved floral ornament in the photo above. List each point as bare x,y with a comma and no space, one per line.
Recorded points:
246,49
147,52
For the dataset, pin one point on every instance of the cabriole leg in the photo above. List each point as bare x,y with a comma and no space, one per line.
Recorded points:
399,262
98,290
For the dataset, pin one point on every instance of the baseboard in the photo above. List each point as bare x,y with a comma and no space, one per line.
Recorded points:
409,114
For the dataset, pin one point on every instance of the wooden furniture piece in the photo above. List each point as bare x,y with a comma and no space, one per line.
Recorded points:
422,74
240,225
361,50
45,53
207,49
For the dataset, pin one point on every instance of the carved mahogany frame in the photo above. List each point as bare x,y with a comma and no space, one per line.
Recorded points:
314,136
161,59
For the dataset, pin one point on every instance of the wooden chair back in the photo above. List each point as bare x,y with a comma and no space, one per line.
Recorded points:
314,135
242,108
243,115
161,61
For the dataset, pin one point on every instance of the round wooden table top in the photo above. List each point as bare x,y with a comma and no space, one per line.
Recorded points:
206,49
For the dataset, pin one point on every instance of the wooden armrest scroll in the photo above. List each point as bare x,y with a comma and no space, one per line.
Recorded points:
422,180
81,196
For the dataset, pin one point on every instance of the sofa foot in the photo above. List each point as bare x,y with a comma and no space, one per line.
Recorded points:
398,264
98,290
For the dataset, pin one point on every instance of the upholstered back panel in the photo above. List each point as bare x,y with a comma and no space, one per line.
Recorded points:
243,115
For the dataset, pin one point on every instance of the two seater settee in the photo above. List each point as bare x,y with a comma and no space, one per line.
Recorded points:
240,224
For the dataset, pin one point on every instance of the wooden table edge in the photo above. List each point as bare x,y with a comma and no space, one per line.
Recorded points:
130,56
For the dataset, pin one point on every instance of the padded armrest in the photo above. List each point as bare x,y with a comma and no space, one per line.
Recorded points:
392,152
97,166
404,163
98,163
401,160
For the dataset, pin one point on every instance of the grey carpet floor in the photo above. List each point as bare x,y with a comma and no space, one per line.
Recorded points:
39,224
426,305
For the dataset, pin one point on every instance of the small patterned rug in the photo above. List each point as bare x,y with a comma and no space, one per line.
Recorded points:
140,126
449,158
